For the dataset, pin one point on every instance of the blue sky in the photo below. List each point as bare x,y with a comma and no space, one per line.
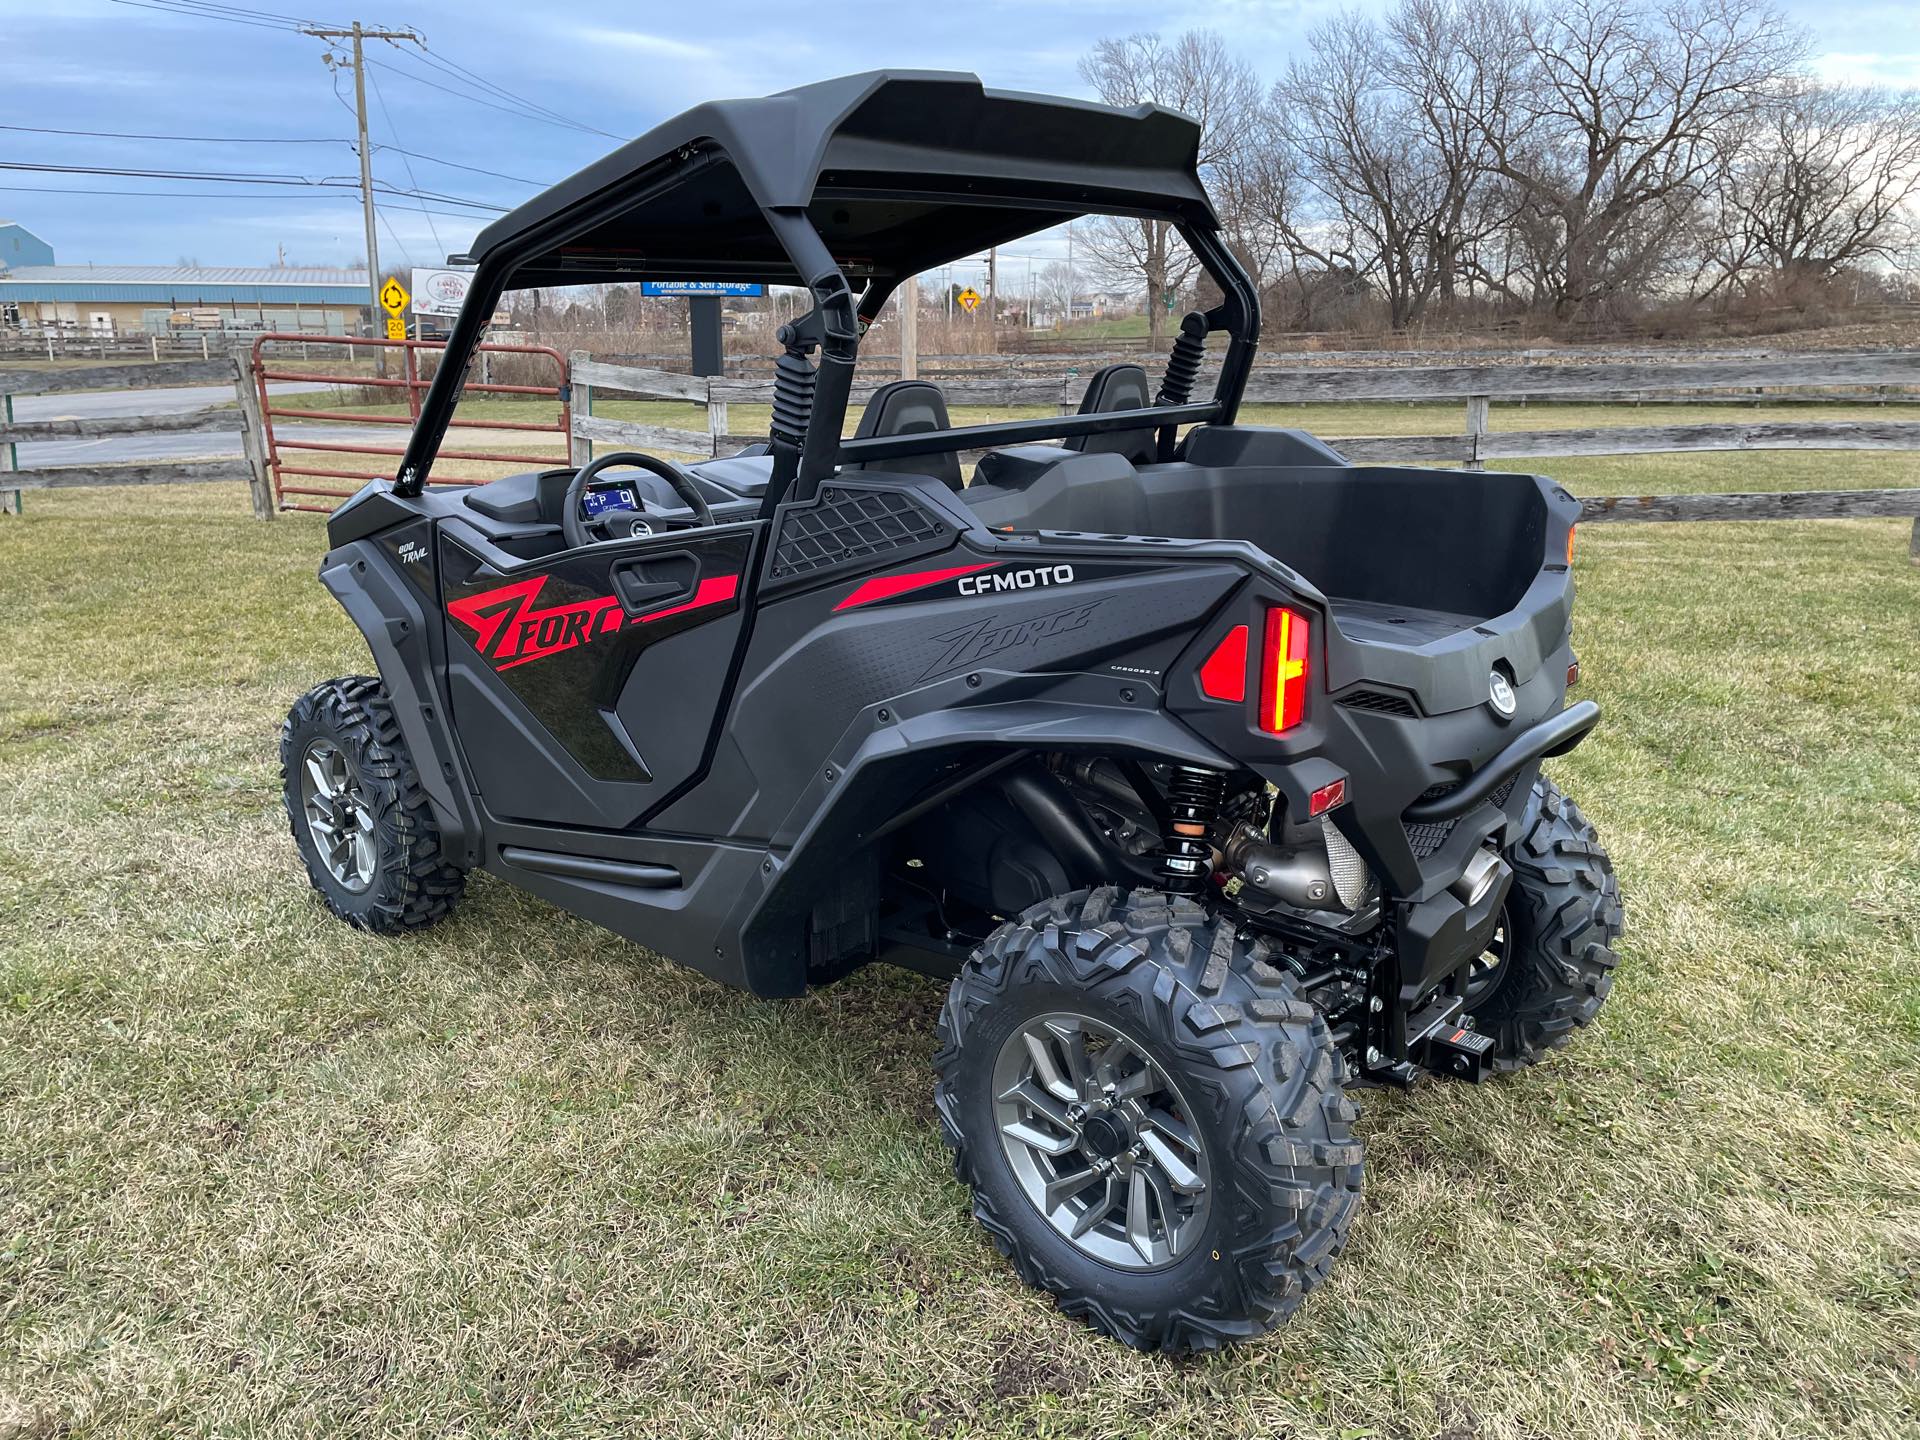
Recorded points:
99,66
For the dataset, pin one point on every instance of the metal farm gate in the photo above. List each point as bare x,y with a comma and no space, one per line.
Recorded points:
304,445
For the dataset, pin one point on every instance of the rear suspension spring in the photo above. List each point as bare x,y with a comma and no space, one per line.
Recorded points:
1183,365
1194,797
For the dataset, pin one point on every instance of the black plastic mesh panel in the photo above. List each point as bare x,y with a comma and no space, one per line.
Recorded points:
850,525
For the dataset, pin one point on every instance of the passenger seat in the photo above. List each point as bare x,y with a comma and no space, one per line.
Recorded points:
1117,387
909,407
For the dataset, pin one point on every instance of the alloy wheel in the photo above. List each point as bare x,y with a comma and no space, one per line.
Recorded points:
337,816
1101,1141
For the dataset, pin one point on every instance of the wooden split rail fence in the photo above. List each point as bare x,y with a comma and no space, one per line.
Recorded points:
1476,387
244,421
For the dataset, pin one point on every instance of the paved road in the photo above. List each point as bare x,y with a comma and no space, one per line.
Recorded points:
175,400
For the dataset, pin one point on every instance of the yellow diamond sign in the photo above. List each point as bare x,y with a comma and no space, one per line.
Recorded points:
393,296
969,299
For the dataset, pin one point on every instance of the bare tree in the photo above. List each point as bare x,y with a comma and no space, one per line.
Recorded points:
1826,181
1386,122
1053,289
1200,77
1626,118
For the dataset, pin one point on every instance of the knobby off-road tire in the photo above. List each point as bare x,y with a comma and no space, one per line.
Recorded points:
1254,1065
342,757
1562,918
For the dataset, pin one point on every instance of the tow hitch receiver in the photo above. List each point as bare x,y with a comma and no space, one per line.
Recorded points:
1461,1053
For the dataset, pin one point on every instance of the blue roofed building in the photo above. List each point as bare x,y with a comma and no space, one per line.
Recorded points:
38,296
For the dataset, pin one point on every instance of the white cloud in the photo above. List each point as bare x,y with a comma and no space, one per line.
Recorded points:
1899,70
646,44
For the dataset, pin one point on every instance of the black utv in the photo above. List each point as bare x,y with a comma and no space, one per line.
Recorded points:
1206,763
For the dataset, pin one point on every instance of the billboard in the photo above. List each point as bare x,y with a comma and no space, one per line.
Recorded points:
439,292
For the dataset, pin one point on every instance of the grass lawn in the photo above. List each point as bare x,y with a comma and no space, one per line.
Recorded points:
264,1175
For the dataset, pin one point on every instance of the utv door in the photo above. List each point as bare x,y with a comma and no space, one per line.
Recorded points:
585,686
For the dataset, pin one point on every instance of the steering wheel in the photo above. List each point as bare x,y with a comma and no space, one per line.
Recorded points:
579,529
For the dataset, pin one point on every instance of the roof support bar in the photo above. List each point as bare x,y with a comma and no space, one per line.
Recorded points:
1017,432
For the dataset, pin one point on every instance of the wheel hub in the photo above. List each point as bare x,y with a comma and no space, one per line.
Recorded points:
1101,1141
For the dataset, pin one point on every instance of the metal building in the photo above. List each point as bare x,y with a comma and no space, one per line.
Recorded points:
167,299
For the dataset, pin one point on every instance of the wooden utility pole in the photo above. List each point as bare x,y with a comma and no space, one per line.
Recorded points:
358,34
910,328
993,296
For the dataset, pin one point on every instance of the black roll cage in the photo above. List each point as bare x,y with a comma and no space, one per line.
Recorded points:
834,327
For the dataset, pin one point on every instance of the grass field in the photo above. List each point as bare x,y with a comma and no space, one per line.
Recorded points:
263,1175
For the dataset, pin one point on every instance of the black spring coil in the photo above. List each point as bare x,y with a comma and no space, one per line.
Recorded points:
793,382
1183,365
1194,797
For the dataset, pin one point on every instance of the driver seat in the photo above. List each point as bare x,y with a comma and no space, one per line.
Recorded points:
909,407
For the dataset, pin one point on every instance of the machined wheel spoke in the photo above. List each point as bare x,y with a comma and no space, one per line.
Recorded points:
362,856
1182,1176
1065,1187
1073,1045
1047,1070
1039,1139
1139,1223
1100,1208
1032,1094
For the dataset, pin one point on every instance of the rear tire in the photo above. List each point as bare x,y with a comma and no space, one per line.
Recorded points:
1267,1127
358,813
1555,956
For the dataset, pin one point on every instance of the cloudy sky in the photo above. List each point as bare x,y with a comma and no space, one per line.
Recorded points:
514,91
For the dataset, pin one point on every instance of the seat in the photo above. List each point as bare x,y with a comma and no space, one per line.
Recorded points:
1117,387
909,407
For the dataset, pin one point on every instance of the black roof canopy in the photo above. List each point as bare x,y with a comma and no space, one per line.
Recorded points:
898,171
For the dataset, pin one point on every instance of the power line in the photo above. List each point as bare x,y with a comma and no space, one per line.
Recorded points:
413,179
456,165
414,79
446,66
169,9
245,177
188,195
193,139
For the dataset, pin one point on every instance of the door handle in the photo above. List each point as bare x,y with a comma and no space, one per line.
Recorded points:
643,582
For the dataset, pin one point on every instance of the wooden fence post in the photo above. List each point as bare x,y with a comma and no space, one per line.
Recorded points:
579,448
13,463
253,437
716,418
1476,427
1913,546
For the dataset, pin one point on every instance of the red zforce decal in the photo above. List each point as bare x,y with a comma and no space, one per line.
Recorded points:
509,630
885,587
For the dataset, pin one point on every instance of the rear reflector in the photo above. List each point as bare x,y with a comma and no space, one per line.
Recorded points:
1224,675
1326,797
1570,530
1283,671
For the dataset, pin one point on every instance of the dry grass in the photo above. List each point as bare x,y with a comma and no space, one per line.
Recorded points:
263,1175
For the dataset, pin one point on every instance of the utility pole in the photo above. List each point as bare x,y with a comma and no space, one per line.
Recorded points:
910,328
993,295
358,34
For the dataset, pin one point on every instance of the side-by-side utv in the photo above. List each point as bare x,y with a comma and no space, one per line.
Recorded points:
1205,763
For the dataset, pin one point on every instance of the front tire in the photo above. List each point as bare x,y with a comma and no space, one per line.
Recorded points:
1208,1130
1552,961
358,813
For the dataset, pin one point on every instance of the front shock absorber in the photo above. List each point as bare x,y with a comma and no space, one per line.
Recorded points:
1194,797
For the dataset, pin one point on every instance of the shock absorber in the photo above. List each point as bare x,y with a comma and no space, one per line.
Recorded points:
1194,797
794,379
1183,365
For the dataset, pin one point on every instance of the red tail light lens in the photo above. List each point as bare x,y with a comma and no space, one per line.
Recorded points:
1283,671
1224,675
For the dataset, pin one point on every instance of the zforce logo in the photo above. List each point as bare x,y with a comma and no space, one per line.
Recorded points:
1030,579
984,639
509,629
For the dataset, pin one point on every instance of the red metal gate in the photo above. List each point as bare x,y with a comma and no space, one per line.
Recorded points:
317,456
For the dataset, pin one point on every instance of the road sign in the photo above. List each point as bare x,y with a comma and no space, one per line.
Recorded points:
440,292
393,296
668,289
396,327
969,299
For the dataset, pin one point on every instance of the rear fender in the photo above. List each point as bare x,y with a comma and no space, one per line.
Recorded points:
895,760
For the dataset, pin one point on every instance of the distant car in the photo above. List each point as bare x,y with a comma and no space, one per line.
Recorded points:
1206,763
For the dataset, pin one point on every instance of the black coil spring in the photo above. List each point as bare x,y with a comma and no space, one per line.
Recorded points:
1183,365
1194,797
793,382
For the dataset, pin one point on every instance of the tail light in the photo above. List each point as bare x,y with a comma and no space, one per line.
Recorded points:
1283,671
1224,674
